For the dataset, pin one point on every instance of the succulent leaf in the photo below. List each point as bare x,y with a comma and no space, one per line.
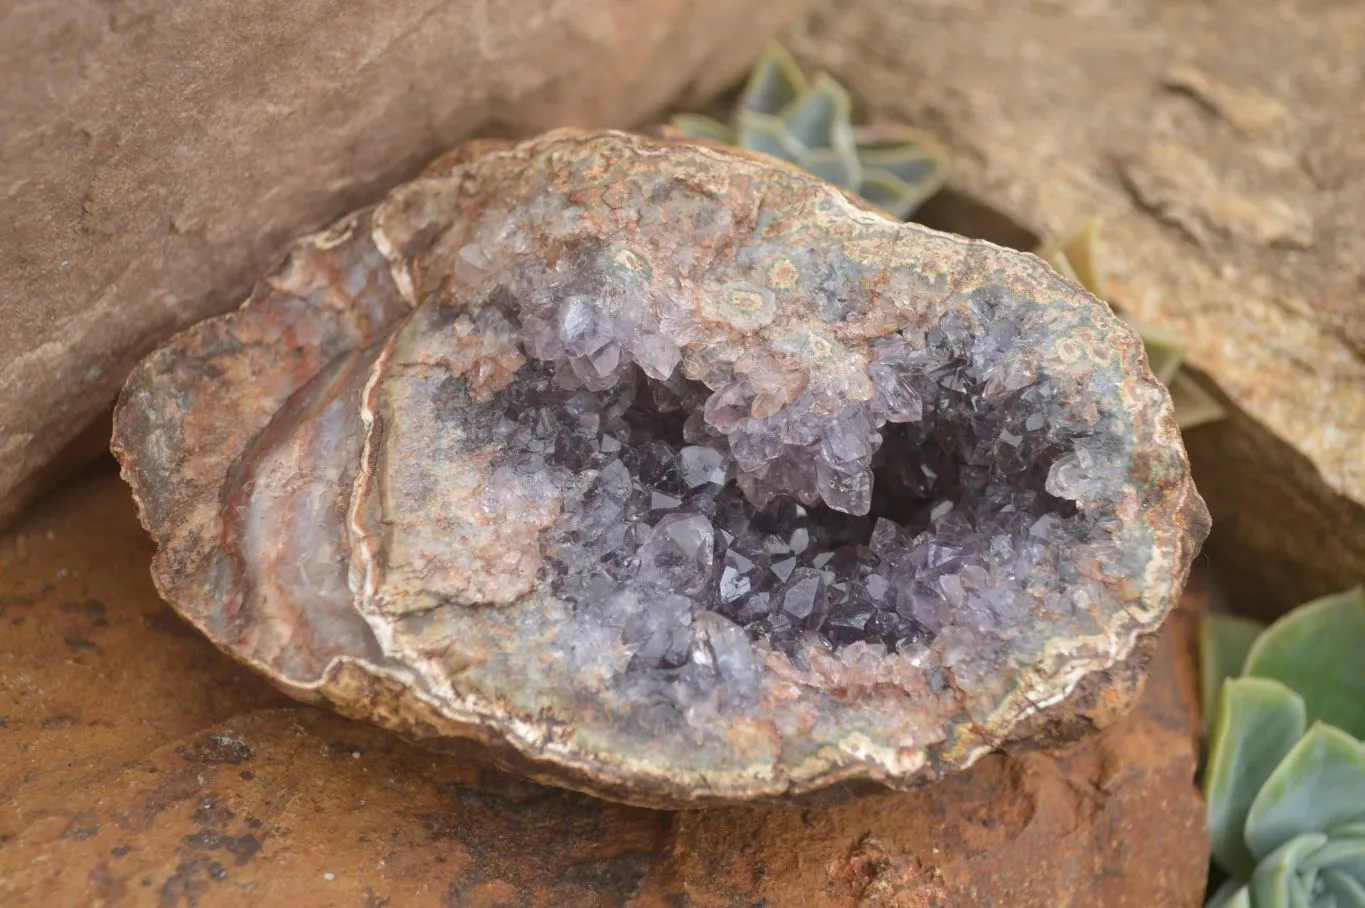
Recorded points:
774,83
1300,842
820,118
893,195
1318,786
1082,252
1277,882
1346,887
1194,405
769,135
898,177
1257,724
1224,641
878,138
914,166
809,124
1232,894
1318,649
833,166
1344,853
1054,256
914,158
700,126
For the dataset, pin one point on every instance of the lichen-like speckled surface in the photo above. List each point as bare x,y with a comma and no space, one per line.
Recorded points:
300,464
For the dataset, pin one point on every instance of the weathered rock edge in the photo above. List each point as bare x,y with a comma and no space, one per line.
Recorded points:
180,417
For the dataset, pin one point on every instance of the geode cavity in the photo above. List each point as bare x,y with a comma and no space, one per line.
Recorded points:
669,473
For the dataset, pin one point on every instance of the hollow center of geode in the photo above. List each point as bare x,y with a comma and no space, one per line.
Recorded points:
880,522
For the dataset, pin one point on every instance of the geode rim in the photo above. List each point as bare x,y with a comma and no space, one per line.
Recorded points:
276,530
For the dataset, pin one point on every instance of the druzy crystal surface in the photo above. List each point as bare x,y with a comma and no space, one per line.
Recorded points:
659,516
667,473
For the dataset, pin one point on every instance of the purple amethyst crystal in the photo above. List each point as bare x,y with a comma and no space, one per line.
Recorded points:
669,474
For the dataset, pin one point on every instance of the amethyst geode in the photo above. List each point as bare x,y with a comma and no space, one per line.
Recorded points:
670,474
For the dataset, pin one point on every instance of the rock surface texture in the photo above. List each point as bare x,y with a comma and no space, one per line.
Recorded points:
154,159
188,781
671,474
1222,145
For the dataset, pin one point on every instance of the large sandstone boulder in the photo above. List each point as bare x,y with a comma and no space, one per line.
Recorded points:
154,156
1223,144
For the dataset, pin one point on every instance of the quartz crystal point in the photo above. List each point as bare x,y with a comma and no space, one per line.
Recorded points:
668,473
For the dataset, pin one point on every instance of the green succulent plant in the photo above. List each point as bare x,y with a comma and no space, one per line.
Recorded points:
1285,782
1079,258
808,123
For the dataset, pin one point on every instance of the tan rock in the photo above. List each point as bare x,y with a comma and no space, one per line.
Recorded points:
140,766
1222,144
154,157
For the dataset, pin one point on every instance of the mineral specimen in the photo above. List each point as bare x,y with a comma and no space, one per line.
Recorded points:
669,473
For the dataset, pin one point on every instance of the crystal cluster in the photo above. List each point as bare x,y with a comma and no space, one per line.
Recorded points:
670,474
944,497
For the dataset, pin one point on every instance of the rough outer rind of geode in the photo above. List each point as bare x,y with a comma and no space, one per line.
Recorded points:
915,494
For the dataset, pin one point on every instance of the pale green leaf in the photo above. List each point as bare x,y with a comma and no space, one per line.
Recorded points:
1055,257
769,135
896,197
820,117
875,138
832,167
1256,724
1349,889
1194,405
1232,894
775,82
1318,649
1318,786
1223,644
699,126
1345,854
1277,882
1082,251
913,164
